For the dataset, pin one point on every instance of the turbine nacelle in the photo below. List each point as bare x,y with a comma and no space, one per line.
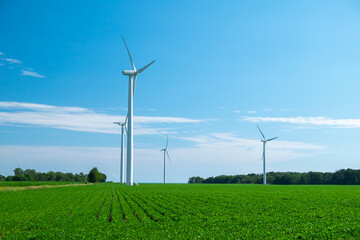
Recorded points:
129,72
120,123
268,140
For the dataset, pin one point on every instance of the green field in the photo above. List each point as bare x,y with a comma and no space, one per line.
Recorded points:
182,211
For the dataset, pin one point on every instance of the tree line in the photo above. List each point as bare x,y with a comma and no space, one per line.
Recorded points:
340,177
31,175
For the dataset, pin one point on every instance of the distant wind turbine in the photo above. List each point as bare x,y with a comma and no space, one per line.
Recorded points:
132,81
264,143
165,153
122,162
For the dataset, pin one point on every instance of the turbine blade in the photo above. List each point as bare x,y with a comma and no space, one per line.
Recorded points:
132,63
260,131
126,124
142,69
118,123
271,139
167,153
167,141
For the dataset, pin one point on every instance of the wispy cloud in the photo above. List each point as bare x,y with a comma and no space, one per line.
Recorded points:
78,119
252,111
229,140
32,74
236,111
315,121
145,109
275,109
12,60
39,107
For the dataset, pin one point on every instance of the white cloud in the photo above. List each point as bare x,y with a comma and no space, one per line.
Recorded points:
236,111
12,60
252,111
39,107
32,74
218,153
78,119
316,121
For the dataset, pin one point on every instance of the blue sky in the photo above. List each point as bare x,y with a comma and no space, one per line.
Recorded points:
292,67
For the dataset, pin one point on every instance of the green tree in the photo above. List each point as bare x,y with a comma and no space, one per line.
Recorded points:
83,177
103,177
59,176
51,176
19,175
19,172
30,174
94,175
315,177
304,178
195,180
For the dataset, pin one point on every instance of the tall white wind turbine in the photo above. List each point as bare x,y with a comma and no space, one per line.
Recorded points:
264,141
122,162
132,81
165,153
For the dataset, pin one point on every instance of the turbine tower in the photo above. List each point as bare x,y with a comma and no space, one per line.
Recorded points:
165,153
132,81
264,143
122,162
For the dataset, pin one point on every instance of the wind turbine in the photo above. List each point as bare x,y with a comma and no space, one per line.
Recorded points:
165,153
122,162
264,141
132,81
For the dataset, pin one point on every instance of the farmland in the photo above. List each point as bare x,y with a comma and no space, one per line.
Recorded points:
181,211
